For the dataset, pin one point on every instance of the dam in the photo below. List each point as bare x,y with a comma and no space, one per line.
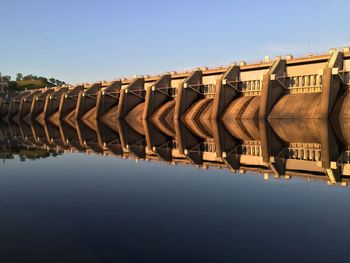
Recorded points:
282,116
279,88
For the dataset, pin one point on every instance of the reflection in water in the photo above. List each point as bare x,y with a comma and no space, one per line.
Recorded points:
83,208
311,148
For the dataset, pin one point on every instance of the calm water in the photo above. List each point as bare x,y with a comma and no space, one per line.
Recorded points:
78,207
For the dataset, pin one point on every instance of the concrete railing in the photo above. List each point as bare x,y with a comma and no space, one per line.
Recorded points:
208,89
250,87
304,151
209,147
246,87
303,84
204,89
251,148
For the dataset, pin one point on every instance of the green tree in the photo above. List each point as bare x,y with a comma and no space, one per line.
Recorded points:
6,78
19,76
28,77
44,80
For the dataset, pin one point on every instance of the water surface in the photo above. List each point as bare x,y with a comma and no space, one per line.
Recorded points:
87,206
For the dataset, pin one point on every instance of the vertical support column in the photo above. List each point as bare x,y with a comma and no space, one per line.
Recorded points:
87,100
14,105
68,101
271,146
21,106
154,137
272,89
223,139
186,141
156,95
53,101
330,151
224,93
186,96
18,106
331,84
130,97
110,139
107,98
48,99
131,141
38,105
25,106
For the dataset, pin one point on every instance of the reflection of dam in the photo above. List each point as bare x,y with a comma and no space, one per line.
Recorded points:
310,87
309,148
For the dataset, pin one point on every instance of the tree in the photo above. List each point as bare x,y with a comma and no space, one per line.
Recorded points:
28,77
19,76
59,83
52,80
44,80
6,78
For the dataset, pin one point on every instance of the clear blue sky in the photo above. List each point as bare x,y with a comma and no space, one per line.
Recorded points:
78,41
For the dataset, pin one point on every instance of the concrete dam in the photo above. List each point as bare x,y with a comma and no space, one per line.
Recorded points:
283,117
282,88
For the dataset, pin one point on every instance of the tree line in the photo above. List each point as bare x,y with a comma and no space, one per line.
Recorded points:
37,82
